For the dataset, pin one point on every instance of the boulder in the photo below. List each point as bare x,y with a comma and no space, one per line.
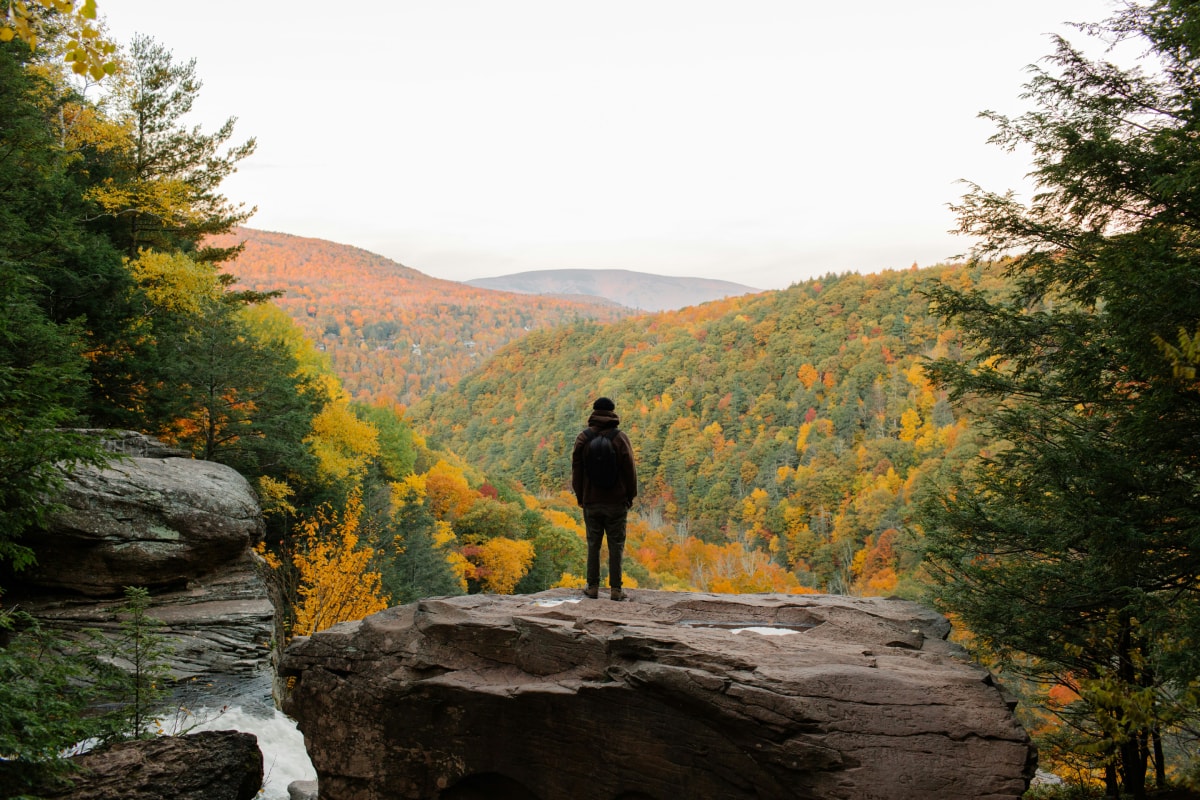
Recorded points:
303,790
145,520
214,765
668,695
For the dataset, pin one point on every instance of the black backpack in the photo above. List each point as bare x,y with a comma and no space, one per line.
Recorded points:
600,459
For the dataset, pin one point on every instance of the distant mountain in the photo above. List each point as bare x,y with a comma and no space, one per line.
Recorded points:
638,290
393,333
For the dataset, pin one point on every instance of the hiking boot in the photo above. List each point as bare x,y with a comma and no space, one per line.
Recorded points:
592,592
618,593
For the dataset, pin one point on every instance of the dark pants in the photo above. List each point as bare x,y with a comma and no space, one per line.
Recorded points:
599,521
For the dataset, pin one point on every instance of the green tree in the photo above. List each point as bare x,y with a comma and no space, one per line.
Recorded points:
414,565
44,316
52,690
136,674
162,190
44,699
557,550
1072,550
398,447
41,380
230,396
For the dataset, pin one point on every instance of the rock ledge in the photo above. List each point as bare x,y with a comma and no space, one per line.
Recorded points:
670,695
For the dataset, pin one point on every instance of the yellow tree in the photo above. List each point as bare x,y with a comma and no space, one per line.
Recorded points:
174,283
342,443
499,563
336,583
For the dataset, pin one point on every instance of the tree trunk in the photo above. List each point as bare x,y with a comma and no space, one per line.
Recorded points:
1160,764
1133,751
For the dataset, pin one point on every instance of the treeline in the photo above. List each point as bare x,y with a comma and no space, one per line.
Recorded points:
393,333
799,424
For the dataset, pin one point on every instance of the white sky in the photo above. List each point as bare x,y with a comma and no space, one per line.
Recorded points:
758,141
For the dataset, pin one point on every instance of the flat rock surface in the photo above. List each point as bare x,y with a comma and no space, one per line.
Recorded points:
668,695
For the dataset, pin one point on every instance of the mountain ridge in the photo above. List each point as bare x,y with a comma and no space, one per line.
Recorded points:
392,332
643,291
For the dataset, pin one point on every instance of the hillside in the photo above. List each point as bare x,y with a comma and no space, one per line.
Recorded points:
393,333
633,289
798,421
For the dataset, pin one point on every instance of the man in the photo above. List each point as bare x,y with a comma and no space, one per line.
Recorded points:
604,479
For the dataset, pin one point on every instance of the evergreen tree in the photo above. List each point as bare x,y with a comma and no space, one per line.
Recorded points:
45,313
136,674
228,395
417,567
44,699
1072,550
162,190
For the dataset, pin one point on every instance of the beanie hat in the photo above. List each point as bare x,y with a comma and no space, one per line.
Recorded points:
603,404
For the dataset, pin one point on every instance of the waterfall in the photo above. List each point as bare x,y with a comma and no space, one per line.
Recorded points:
245,705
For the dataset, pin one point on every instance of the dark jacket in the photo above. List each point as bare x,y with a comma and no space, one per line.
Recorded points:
626,488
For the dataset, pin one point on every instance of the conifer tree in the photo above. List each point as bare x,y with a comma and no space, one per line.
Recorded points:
1072,550
162,190
138,674
51,274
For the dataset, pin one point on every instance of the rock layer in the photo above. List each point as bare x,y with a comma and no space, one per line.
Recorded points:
221,622
670,695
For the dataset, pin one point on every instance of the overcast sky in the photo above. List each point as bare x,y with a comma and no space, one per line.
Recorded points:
758,141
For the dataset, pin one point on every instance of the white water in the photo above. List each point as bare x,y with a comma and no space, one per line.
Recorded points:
282,745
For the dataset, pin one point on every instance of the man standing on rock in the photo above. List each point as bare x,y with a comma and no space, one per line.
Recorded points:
604,479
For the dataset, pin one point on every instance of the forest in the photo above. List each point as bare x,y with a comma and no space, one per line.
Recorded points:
1013,439
798,424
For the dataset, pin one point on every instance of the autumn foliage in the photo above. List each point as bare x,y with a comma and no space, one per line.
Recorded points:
335,582
782,439
393,333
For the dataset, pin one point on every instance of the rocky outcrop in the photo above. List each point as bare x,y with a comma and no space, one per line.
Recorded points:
669,695
215,765
144,520
181,528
